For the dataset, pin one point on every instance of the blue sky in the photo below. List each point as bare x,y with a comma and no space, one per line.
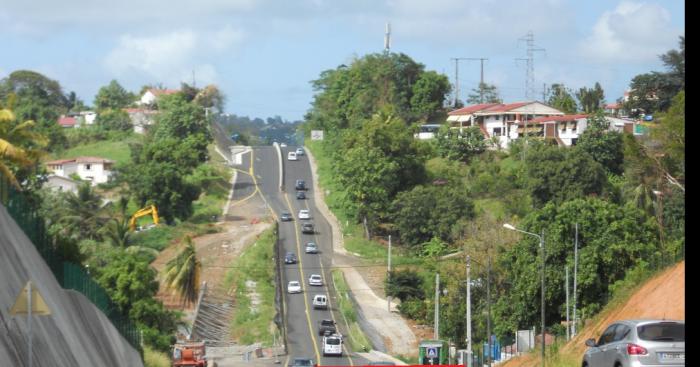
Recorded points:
263,53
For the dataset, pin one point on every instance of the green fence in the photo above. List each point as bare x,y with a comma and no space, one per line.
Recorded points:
69,275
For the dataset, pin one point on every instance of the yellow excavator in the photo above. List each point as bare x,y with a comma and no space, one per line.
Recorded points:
149,210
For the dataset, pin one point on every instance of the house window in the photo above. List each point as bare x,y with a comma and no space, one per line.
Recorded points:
573,128
497,131
87,167
498,118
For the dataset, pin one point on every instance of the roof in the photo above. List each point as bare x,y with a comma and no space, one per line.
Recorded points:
158,92
66,121
507,107
561,118
612,105
81,160
490,108
471,109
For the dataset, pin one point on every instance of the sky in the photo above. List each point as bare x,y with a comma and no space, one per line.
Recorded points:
263,54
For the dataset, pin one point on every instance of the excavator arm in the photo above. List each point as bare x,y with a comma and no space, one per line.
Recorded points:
149,210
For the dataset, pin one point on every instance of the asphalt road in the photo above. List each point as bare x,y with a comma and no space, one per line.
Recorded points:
301,319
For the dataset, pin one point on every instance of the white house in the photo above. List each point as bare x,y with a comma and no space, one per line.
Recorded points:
87,117
94,169
566,129
62,183
141,118
151,96
505,121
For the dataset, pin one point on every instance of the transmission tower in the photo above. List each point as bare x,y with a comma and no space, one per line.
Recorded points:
530,70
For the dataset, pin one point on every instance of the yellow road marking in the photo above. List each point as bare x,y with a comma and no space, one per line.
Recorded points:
303,283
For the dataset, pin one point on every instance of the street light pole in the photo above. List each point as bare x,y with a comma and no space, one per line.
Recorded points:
469,315
437,306
488,306
541,238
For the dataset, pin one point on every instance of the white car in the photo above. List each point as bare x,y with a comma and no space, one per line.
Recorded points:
304,214
300,151
293,287
292,156
320,301
315,279
283,145
333,345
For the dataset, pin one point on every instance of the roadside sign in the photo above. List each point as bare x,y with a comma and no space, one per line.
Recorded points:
21,306
432,352
316,134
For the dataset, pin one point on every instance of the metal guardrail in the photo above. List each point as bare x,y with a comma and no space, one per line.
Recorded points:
69,275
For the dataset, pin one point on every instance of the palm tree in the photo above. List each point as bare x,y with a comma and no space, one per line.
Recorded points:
86,213
118,233
182,273
19,145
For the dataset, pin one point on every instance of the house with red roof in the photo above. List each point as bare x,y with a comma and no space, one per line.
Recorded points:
506,122
94,169
67,122
141,118
150,97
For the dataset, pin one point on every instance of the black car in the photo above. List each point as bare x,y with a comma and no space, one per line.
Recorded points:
301,195
303,362
300,185
286,217
290,258
326,327
307,228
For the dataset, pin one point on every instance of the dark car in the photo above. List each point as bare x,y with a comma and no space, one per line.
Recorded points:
286,217
326,327
307,228
303,362
290,258
301,195
638,343
300,185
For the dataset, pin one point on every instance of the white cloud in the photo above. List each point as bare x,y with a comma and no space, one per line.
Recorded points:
170,58
632,32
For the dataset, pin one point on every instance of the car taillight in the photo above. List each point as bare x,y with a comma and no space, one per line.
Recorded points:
634,349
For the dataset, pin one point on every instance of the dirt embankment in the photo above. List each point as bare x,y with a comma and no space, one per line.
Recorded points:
661,297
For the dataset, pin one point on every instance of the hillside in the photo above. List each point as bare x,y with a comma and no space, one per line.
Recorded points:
661,297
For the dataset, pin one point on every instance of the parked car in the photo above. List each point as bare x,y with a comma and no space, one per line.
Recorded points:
290,258
292,156
286,217
320,301
326,327
300,151
304,214
315,279
294,287
301,195
307,228
303,362
638,343
311,248
300,185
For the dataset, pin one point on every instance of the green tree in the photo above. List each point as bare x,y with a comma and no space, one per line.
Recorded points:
484,93
612,239
560,98
114,119
603,145
460,144
429,94
670,133
591,100
20,145
404,284
182,273
558,175
85,213
113,96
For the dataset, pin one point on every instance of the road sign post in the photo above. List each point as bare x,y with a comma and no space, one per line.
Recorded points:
28,302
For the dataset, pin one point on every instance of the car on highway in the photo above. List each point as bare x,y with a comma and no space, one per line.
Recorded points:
290,258
283,145
293,287
300,185
307,228
286,217
311,248
333,345
326,327
300,151
638,343
320,301
315,279
303,362
292,156
304,214
301,195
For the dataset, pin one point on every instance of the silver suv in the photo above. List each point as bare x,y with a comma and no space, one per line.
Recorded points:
637,343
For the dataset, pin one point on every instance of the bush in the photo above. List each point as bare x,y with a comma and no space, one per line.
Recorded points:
415,309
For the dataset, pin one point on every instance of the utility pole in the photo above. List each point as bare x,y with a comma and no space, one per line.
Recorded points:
488,307
388,274
573,331
469,315
542,315
437,307
387,38
530,71
544,92
456,60
568,326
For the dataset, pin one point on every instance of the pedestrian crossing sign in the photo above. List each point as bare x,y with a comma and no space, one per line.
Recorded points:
432,352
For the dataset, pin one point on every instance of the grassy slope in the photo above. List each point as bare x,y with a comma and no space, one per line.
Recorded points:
115,150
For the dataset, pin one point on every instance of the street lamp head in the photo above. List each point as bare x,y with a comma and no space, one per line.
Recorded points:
508,226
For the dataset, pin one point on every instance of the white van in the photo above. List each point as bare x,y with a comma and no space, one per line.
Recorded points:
333,345
292,156
320,301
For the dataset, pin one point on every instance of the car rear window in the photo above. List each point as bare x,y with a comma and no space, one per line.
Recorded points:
332,341
664,331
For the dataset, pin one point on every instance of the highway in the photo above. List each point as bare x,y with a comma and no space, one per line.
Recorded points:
300,317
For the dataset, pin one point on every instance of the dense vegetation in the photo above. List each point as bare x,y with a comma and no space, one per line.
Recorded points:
450,194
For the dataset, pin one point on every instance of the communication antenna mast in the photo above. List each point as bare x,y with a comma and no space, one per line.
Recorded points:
387,38
530,70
